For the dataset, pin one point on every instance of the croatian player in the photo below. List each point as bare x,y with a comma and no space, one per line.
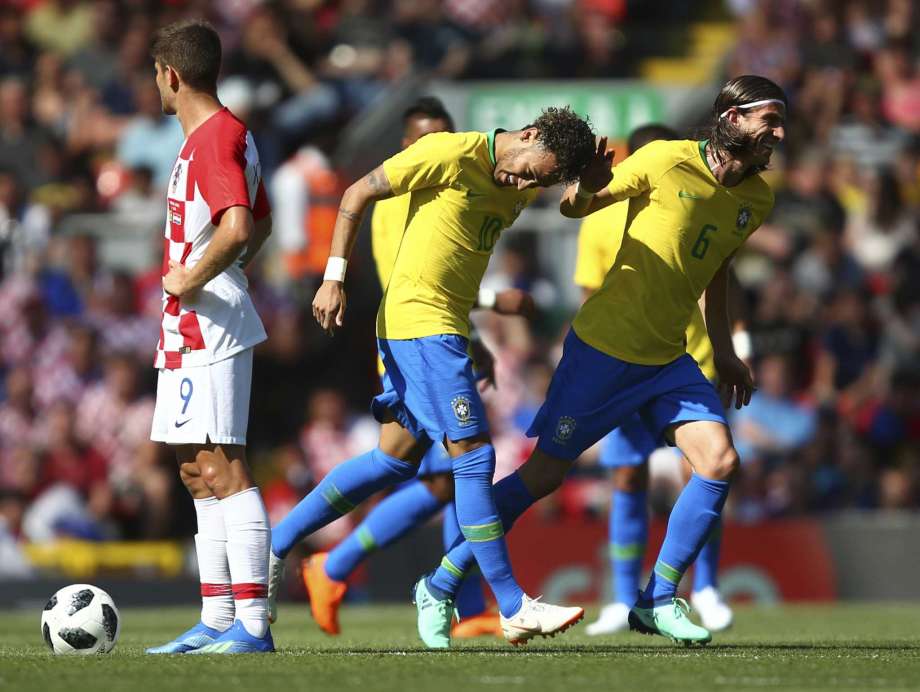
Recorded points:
626,449
217,219
414,502
691,206
465,189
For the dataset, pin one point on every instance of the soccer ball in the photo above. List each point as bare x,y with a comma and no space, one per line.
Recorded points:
80,619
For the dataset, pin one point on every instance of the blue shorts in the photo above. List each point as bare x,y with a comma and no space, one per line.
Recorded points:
430,388
592,393
631,444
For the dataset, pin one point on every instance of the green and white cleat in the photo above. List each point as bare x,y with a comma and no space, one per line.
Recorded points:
275,579
669,620
434,616
538,619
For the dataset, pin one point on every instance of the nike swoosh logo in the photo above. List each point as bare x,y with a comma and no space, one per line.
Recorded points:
688,195
179,425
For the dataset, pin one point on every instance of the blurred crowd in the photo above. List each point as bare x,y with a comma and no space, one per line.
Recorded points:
831,284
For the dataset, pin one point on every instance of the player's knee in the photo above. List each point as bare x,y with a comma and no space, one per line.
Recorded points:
441,486
721,463
190,475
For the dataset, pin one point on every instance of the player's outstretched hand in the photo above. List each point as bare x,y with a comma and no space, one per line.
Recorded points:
597,174
484,362
735,381
329,306
514,301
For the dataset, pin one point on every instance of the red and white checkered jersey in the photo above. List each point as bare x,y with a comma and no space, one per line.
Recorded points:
218,168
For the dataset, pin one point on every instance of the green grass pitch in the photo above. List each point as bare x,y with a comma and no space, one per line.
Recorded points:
852,647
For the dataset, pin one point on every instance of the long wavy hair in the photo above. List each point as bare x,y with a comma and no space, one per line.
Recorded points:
726,137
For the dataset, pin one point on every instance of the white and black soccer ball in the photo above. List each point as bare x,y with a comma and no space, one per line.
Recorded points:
80,619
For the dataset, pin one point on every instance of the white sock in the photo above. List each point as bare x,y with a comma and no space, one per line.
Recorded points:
213,567
248,543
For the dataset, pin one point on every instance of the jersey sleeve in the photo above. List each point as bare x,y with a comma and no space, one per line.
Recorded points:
634,175
223,183
429,162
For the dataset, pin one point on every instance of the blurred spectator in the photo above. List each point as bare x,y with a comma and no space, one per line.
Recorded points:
773,424
20,140
61,26
150,138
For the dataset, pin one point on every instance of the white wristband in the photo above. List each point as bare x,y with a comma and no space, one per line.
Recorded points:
582,194
335,269
741,340
487,298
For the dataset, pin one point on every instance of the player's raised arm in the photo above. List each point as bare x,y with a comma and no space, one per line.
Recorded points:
329,302
590,192
735,380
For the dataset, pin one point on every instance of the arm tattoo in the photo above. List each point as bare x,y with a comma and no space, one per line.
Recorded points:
377,182
350,215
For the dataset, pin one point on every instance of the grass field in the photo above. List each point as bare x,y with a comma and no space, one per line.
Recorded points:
861,647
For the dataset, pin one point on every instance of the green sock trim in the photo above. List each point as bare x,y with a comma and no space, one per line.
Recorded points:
365,538
451,567
483,532
337,500
629,551
665,571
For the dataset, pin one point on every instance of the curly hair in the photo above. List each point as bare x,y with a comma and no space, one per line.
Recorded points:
568,137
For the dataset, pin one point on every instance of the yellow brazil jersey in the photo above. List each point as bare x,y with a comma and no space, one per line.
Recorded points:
599,240
681,226
387,225
456,215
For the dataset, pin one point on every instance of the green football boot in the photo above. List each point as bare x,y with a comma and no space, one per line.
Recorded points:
669,620
434,616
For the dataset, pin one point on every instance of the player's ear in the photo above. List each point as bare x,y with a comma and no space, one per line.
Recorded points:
529,135
173,78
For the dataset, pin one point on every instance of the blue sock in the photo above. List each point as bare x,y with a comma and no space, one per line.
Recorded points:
406,508
511,500
482,527
346,486
628,535
470,599
695,513
706,567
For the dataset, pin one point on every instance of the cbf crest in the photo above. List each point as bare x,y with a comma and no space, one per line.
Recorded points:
564,429
463,409
744,218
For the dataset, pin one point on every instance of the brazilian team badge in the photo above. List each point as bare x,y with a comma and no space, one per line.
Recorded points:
463,409
744,218
564,429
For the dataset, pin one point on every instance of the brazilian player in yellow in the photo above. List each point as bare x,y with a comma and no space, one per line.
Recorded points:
414,502
627,448
465,188
691,206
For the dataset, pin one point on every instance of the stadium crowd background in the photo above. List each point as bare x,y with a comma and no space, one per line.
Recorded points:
831,283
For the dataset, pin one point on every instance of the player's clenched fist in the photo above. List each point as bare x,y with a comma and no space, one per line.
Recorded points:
329,305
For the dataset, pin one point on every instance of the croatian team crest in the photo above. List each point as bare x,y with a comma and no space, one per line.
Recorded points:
463,409
744,217
564,429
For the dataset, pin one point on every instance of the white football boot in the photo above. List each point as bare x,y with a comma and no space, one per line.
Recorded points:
715,613
537,619
275,578
614,617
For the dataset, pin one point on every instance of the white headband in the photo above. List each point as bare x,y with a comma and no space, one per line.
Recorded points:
753,104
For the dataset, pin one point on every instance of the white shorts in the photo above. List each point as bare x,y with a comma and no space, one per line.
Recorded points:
209,403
